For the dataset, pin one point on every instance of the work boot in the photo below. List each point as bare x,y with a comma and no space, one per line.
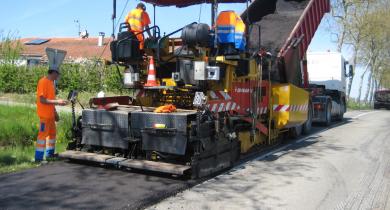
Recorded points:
41,162
52,157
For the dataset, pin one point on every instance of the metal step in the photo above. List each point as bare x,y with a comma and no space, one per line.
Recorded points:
155,166
78,155
128,163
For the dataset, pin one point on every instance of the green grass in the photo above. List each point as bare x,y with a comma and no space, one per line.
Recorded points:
18,132
16,159
358,106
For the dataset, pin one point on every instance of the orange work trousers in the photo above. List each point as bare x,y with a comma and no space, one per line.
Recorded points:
46,139
140,38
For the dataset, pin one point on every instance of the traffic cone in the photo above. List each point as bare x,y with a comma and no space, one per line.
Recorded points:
151,82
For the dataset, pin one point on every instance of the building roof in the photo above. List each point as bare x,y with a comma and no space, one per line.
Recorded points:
76,48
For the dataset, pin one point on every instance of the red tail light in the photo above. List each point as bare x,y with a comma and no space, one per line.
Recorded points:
317,106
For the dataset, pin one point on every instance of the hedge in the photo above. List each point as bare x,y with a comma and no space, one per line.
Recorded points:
81,77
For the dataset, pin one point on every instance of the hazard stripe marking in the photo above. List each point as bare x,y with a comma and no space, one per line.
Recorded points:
213,95
214,107
221,107
228,106
234,106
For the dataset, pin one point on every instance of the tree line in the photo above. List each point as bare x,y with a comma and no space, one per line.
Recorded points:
363,27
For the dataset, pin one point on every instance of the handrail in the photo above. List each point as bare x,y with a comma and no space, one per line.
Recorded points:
157,31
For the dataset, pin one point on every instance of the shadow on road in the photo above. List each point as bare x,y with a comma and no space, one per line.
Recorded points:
242,183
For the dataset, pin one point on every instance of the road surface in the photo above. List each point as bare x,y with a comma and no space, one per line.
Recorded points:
63,185
345,167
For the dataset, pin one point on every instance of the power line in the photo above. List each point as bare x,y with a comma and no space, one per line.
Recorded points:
116,26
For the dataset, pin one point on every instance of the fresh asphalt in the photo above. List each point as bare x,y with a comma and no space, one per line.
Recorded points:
68,185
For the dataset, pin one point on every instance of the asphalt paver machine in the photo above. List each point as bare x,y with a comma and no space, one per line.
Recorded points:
228,100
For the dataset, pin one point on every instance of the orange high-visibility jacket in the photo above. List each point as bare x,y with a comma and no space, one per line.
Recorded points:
46,89
137,19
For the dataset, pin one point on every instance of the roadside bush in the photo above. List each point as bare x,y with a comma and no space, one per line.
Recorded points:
14,79
84,78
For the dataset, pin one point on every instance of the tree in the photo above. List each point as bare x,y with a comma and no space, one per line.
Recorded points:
349,18
363,27
10,49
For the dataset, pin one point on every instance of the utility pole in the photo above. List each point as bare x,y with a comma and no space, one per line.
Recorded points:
113,18
78,26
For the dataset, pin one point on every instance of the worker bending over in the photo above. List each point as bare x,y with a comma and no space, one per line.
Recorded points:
46,101
138,20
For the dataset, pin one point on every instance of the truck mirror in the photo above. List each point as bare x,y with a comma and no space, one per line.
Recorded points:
351,72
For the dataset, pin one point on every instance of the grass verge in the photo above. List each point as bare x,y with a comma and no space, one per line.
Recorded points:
18,131
358,106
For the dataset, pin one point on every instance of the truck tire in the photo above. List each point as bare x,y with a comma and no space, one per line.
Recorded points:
295,132
340,116
328,114
307,125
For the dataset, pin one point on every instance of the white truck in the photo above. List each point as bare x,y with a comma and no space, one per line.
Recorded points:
327,82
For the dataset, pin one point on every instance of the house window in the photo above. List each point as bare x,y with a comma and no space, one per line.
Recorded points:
33,62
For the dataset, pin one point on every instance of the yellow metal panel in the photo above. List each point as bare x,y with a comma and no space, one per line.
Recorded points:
247,143
289,105
169,82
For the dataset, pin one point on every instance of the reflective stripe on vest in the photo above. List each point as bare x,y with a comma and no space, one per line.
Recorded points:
225,29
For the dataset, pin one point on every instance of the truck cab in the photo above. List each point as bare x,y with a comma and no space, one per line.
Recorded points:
327,80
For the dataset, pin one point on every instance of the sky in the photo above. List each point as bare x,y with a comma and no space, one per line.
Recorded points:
56,18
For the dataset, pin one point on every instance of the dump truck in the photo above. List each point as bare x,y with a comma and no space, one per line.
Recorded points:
327,82
200,101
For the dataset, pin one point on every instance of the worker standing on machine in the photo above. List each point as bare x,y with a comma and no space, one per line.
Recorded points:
46,101
138,20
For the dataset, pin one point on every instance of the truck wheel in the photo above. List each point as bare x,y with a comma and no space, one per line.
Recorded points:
296,131
328,115
340,116
308,123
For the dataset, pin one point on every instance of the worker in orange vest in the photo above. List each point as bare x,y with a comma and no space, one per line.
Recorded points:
46,101
139,20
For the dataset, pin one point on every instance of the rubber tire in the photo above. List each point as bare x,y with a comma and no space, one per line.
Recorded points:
340,117
328,115
296,131
308,124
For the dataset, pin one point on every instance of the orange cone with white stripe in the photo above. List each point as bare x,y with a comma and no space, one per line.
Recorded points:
151,82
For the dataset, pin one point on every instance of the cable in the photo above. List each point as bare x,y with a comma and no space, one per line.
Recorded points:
200,12
115,28
123,10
